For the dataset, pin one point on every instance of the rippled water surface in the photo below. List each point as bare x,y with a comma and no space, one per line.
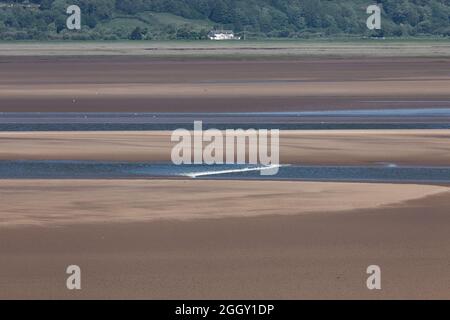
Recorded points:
94,169
429,118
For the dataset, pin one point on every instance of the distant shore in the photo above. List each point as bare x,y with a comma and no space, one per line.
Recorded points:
233,49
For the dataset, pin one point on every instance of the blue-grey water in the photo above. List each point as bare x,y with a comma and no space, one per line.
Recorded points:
421,118
117,170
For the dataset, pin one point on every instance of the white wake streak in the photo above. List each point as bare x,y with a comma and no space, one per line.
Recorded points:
211,173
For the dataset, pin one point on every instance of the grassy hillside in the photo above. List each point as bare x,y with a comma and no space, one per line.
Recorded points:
155,25
192,19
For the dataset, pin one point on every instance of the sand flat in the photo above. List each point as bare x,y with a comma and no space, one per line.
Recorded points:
138,84
309,256
382,88
184,239
334,147
60,202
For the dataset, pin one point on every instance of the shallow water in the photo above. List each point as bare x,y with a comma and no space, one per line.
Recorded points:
94,169
429,118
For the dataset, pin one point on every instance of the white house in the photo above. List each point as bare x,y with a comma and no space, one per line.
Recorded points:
222,35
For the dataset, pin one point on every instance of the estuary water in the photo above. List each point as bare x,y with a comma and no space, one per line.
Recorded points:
130,170
424,118
428,118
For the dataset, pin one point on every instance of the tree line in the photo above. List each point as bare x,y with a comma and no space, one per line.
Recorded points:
124,19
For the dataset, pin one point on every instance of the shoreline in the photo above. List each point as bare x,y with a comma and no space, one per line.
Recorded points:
232,49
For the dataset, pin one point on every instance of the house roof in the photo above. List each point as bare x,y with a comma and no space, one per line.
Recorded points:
221,32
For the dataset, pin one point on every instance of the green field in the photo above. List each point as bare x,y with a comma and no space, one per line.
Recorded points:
232,49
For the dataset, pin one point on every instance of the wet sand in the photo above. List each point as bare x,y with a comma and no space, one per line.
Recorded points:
332,147
60,202
318,255
137,84
275,240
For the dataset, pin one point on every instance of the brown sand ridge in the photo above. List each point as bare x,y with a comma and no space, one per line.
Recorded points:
310,256
134,84
59,202
408,147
